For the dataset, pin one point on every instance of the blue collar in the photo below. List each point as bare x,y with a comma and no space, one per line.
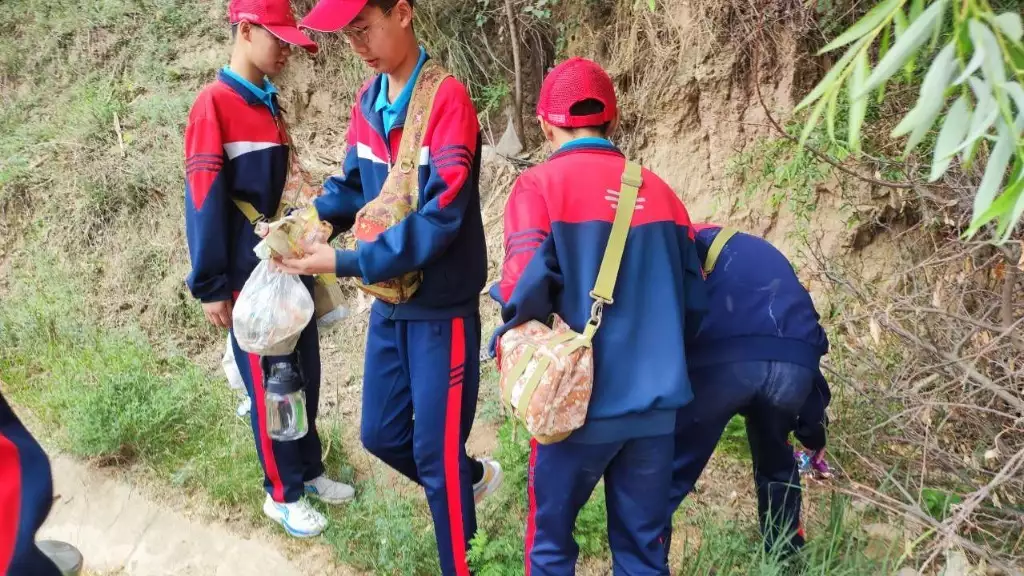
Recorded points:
393,113
252,93
587,142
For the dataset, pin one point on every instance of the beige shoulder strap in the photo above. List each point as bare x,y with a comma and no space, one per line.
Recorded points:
417,118
716,247
604,287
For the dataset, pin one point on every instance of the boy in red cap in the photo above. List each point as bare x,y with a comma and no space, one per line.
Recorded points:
421,374
237,148
640,371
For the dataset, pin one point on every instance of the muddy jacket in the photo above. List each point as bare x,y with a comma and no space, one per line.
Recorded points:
758,310
557,223
445,237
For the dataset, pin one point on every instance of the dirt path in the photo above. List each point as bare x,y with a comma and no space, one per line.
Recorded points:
119,530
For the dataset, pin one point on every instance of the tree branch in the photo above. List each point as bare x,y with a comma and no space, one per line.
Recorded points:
513,30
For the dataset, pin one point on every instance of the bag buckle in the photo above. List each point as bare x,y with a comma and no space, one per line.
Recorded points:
596,313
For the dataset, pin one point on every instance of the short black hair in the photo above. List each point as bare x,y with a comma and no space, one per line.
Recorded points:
234,30
588,107
388,5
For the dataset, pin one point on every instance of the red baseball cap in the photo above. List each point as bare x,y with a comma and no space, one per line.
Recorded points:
570,83
332,15
273,15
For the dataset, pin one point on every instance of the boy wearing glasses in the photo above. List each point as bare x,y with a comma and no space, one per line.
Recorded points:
421,373
237,147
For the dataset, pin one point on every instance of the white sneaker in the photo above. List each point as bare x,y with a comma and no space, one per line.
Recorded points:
489,484
298,518
326,490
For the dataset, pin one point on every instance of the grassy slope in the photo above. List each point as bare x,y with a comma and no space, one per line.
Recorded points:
96,328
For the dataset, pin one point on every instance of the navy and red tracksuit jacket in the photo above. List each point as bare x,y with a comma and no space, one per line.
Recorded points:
235,146
444,238
26,495
759,311
557,223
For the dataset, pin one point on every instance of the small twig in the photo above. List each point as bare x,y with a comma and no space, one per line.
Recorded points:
978,377
513,30
120,136
825,157
1007,304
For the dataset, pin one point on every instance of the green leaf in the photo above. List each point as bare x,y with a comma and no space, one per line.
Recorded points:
813,120
883,50
973,65
1009,24
929,101
1017,93
858,107
866,24
652,4
994,172
833,74
953,130
1009,199
916,7
985,114
992,62
905,47
901,23
1009,222
830,115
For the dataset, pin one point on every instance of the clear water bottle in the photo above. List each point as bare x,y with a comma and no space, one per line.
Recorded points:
285,400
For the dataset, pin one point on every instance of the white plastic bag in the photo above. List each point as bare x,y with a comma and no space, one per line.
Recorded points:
271,312
235,381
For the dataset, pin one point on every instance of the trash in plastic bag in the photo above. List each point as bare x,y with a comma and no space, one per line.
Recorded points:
271,312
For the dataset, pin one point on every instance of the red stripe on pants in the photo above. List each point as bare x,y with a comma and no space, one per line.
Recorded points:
10,500
452,444
266,444
531,515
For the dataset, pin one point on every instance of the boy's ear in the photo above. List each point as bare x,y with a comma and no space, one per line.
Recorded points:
403,11
547,129
613,126
245,31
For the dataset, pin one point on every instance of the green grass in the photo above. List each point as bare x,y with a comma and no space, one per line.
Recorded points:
108,397
835,546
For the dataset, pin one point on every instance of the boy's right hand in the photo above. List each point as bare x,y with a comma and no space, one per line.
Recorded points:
218,313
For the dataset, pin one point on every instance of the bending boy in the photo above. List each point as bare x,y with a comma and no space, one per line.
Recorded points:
757,354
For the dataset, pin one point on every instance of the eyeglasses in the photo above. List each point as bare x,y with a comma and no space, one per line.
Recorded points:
362,35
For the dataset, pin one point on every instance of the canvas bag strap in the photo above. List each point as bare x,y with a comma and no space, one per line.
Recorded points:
717,245
604,287
251,213
417,118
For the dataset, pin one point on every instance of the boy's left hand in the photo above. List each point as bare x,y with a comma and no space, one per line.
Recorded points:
319,259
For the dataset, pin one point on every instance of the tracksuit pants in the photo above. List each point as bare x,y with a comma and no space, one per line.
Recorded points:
286,465
26,494
637,476
770,396
420,387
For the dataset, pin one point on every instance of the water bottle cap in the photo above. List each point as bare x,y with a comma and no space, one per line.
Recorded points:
283,378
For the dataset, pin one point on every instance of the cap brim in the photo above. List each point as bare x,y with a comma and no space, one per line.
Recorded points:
332,15
293,36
